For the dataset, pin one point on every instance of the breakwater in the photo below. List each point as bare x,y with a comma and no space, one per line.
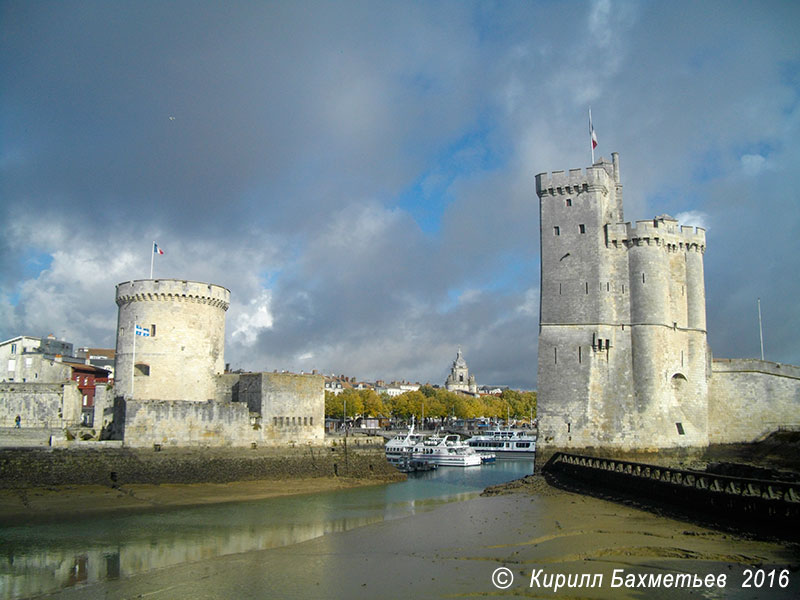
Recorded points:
743,503
39,467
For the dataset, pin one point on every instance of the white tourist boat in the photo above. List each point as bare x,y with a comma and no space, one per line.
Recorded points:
504,443
400,451
447,451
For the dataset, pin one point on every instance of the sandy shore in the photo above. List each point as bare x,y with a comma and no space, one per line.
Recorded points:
64,502
454,550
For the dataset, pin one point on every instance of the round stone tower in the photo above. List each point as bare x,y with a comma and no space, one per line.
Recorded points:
170,339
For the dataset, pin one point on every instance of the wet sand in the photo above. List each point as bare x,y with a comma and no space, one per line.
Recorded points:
453,551
63,502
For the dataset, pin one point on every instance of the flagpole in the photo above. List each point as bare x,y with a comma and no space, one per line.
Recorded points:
152,256
133,359
760,329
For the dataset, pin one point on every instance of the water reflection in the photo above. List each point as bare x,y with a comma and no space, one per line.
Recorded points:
44,558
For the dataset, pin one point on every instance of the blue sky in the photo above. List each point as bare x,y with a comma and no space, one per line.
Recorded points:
361,175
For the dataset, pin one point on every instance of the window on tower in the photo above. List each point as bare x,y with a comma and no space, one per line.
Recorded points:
556,230
582,228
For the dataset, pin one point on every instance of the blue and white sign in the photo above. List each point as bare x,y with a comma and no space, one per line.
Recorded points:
143,331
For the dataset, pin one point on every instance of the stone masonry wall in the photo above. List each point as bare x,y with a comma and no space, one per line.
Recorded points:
293,408
749,398
268,409
180,423
115,467
40,405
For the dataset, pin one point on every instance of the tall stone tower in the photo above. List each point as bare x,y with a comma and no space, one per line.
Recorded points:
459,379
185,346
623,356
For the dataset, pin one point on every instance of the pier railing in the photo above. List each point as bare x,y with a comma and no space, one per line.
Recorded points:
763,503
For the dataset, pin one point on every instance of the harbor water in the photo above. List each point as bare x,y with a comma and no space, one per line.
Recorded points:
44,558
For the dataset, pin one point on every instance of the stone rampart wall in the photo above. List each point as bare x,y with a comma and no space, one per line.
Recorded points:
179,423
40,405
116,467
750,398
272,409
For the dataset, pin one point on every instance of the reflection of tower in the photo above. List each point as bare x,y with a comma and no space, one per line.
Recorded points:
183,349
459,379
622,340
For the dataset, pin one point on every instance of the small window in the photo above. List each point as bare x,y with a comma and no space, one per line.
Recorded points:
582,228
580,357
569,201
142,369
555,356
642,277
556,230
310,420
680,428
153,330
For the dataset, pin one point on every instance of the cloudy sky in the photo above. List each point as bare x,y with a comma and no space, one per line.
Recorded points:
360,175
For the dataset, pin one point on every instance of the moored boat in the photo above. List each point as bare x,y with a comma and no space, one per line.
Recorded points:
400,451
504,443
447,451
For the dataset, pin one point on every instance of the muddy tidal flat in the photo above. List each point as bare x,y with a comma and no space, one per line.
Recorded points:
55,503
526,541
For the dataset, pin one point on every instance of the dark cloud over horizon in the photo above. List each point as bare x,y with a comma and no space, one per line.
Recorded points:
361,175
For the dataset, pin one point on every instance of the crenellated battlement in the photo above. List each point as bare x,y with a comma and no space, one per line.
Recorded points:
603,176
661,231
173,290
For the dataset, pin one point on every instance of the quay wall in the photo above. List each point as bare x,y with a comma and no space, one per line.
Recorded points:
35,467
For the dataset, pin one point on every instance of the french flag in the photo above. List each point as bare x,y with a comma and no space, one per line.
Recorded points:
156,249
591,129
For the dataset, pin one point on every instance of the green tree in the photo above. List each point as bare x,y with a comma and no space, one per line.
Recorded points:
352,400
373,404
333,405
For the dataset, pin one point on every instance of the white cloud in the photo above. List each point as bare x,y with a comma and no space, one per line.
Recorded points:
753,164
302,133
693,218
250,319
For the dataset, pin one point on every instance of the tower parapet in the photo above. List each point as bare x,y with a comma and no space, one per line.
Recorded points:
661,231
173,290
599,177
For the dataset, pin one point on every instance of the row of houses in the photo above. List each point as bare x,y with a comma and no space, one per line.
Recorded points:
336,384
28,359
